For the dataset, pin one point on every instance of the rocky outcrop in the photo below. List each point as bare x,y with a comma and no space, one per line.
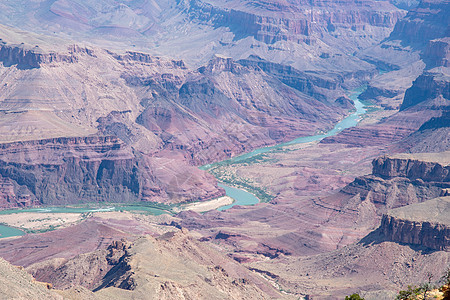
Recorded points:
427,87
26,57
427,21
296,25
389,168
437,53
91,169
396,182
147,58
426,224
87,269
434,236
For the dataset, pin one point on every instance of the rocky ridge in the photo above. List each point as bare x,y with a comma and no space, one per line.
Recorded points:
402,181
18,284
157,108
426,224
89,169
157,261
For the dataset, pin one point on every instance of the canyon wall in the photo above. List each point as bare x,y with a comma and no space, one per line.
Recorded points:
434,236
428,87
91,169
68,170
427,21
426,224
396,182
296,21
388,168
28,57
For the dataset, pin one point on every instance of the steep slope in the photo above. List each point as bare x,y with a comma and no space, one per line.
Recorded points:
17,284
166,117
426,224
307,225
158,261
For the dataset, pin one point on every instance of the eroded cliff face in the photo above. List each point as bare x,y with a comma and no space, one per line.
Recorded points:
426,224
430,86
437,53
427,21
92,169
396,182
388,168
27,57
427,234
68,170
296,21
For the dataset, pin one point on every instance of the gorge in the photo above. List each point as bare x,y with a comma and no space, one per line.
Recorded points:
332,116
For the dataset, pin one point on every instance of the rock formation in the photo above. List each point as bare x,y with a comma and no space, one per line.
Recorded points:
401,181
155,107
16,283
90,169
426,224
157,261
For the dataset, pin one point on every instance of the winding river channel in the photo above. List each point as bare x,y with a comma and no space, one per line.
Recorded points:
241,197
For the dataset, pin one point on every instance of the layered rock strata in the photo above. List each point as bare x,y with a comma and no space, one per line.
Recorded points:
90,169
426,224
401,181
292,21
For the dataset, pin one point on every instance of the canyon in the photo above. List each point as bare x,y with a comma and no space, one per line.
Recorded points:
150,104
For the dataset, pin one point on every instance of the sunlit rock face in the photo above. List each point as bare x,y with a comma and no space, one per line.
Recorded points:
426,224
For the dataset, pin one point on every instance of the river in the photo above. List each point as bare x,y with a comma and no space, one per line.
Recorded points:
243,197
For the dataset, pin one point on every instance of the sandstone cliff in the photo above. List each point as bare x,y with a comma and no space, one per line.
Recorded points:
426,224
90,169
300,21
388,168
401,181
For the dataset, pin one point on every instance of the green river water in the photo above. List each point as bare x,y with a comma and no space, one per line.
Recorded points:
243,197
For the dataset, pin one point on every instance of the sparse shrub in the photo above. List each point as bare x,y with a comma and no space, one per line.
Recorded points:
409,294
354,297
